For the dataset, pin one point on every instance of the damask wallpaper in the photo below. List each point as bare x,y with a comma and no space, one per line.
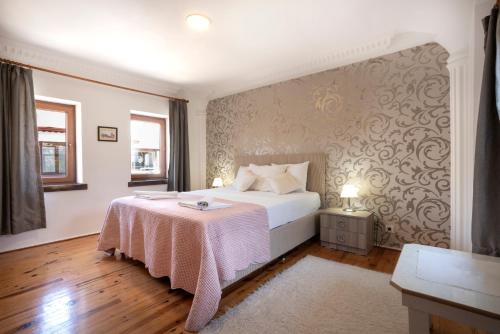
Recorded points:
384,123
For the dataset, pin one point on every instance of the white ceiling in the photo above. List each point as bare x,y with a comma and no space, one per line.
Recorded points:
250,42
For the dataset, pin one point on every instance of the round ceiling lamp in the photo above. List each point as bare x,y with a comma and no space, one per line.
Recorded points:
198,22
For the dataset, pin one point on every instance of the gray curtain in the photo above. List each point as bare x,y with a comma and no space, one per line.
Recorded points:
485,214
178,170
21,197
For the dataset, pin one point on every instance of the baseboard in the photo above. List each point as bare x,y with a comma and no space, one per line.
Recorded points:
388,247
51,242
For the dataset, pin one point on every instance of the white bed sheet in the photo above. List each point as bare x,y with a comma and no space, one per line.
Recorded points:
281,209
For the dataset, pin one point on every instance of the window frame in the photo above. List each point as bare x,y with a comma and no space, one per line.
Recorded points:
70,111
163,143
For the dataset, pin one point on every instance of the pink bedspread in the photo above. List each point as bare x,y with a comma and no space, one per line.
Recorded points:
196,249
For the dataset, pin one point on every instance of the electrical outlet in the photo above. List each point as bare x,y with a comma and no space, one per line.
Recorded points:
389,228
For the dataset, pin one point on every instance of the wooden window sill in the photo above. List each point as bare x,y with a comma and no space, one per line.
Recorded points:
139,183
48,188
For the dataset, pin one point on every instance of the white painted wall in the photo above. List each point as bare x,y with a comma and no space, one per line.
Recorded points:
106,165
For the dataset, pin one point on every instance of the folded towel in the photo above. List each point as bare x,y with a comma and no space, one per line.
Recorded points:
156,194
205,202
153,197
211,206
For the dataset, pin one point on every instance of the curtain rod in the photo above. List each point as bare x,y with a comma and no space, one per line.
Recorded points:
7,61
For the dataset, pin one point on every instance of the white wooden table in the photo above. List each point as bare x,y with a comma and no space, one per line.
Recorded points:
459,286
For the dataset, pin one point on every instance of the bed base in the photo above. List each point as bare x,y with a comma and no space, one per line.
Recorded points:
284,238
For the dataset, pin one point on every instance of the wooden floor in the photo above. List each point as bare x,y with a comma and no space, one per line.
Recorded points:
69,287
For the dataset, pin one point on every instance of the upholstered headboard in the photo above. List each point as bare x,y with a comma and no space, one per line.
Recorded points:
316,174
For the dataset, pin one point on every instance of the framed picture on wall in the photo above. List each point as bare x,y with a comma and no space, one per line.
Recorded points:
106,133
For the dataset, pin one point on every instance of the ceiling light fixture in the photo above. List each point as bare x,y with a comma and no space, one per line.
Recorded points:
198,22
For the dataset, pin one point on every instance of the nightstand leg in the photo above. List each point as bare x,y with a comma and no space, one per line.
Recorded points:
420,322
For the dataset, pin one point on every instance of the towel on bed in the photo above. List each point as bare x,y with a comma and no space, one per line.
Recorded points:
144,194
204,204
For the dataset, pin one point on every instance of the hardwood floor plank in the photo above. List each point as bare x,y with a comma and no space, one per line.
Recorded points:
25,290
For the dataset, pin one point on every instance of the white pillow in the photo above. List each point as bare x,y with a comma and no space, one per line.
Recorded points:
284,183
244,179
264,172
299,171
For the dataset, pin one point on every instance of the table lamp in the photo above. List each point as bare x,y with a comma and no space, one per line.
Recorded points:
349,191
217,183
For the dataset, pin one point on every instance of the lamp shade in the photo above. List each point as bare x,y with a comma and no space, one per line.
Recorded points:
217,182
349,191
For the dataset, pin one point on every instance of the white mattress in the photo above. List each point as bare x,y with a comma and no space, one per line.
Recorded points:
281,209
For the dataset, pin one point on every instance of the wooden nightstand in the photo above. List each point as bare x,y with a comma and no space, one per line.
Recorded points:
348,231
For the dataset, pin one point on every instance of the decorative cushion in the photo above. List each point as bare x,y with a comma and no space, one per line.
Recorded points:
299,171
264,172
244,179
284,183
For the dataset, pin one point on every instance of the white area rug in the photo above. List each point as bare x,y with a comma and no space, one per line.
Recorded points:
318,296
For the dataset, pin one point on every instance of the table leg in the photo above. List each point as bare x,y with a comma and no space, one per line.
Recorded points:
420,322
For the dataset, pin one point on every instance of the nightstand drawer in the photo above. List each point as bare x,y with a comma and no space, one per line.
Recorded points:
362,225
340,223
344,224
344,238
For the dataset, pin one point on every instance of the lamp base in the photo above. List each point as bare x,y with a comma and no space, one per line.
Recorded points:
349,207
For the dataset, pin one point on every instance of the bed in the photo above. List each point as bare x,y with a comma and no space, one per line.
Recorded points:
186,245
286,237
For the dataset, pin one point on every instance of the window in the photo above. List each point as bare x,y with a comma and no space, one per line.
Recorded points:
148,156
56,139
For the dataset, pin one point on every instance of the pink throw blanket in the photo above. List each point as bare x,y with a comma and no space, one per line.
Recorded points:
196,249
